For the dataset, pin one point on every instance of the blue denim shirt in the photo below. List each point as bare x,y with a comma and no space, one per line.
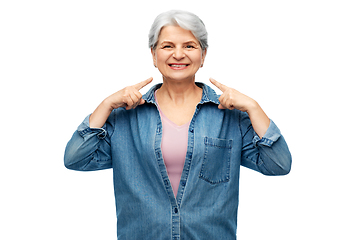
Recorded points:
219,141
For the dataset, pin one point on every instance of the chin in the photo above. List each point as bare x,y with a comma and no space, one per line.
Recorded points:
179,79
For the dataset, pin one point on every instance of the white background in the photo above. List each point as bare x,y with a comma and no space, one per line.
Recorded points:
299,59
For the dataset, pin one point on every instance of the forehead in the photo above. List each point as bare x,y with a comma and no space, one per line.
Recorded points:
176,34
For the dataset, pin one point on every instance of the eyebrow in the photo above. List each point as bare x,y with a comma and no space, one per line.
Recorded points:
191,42
164,42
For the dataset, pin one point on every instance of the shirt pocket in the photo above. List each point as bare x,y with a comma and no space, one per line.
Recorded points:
216,162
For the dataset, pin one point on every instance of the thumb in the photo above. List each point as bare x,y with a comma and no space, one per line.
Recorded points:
142,101
221,106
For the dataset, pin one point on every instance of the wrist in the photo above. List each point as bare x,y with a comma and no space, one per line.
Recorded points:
252,107
259,119
100,115
107,104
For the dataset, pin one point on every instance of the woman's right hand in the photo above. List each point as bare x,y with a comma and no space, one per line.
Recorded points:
128,97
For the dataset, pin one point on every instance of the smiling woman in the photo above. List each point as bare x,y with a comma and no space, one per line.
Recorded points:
176,151
178,55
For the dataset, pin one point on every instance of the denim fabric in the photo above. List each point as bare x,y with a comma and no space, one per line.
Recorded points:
219,141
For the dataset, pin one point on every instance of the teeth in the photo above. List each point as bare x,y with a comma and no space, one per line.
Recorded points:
174,65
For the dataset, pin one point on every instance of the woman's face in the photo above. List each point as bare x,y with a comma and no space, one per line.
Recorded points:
178,54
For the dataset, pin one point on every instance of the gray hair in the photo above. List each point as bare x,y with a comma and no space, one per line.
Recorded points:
185,20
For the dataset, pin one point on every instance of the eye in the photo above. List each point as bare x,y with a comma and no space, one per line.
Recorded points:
190,46
166,46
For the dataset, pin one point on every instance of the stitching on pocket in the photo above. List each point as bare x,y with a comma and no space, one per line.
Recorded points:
216,162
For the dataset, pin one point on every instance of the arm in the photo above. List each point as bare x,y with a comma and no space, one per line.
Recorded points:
264,148
90,147
269,155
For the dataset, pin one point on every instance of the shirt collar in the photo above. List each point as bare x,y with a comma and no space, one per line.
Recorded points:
208,95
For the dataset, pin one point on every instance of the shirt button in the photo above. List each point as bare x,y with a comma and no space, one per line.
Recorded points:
191,130
183,183
176,210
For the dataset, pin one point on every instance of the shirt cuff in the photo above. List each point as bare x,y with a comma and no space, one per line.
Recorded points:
84,129
272,135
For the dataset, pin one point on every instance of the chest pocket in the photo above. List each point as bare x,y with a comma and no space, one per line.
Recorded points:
216,162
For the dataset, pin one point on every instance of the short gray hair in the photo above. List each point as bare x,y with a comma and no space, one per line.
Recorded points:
185,20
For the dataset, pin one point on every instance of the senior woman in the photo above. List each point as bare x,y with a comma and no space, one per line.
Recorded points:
176,151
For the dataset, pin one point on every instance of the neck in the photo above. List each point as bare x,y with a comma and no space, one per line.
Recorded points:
179,91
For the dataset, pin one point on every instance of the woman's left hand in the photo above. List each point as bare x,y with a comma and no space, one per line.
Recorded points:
233,99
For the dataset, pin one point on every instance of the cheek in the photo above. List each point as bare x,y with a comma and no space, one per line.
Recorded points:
197,59
161,57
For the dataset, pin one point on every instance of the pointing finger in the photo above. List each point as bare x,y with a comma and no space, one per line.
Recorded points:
220,86
142,84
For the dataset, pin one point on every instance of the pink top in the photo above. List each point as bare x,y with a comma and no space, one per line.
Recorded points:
173,146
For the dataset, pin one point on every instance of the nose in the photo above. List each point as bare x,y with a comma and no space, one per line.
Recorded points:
178,53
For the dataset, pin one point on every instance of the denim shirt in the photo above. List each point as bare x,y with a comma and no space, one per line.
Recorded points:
219,141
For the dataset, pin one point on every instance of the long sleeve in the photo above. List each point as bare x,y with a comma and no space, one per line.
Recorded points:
89,148
269,155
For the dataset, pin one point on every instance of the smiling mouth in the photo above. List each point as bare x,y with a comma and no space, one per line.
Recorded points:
178,65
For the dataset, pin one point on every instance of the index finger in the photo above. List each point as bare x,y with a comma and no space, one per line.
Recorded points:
142,84
220,86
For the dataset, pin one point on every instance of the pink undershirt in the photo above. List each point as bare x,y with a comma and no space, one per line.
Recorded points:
173,147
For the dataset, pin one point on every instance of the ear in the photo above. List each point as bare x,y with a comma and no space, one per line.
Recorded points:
153,53
203,56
